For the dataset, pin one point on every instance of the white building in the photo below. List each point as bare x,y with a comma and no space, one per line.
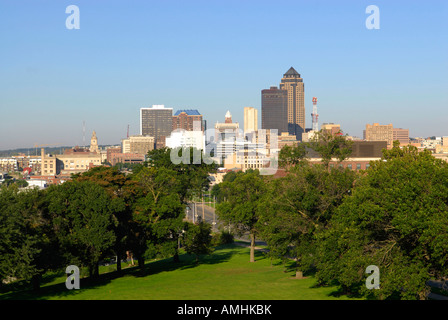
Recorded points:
41,184
185,139
431,144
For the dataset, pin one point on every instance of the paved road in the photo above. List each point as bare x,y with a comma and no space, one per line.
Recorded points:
209,215
205,212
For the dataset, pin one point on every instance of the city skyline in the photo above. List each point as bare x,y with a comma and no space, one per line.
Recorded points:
215,57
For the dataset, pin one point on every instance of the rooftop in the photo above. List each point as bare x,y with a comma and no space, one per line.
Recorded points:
188,112
291,72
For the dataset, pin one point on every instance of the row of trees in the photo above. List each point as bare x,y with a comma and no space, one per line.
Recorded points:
100,213
336,222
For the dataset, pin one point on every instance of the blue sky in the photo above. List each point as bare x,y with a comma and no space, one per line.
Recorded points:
216,56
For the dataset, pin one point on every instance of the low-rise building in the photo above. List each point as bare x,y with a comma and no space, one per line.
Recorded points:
138,144
110,151
126,158
8,164
77,160
72,161
48,164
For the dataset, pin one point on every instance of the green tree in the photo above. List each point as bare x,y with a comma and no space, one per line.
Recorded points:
396,219
291,155
330,146
187,179
27,245
158,214
241,207
21,183
298,206
192,174
82,216
197,238
216,190
123,192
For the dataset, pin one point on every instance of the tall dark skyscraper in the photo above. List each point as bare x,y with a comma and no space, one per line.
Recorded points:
293,84
274,109
284,109
156,122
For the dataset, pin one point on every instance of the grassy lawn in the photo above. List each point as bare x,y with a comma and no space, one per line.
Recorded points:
227,274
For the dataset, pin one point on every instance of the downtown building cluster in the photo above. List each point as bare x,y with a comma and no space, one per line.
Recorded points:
233,147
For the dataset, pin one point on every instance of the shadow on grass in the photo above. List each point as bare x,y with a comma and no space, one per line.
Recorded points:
58,290
187,261
20,290
339,291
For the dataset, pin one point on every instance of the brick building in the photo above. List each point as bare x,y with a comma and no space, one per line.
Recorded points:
189,120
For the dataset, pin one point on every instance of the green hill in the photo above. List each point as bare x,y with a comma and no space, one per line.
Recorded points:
227,274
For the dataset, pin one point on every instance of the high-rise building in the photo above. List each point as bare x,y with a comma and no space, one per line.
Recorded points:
293,84
250,119
401,135
377,132
156,122
188,120
274,109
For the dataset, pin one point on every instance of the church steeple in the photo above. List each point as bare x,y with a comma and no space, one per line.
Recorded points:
228,117
94,143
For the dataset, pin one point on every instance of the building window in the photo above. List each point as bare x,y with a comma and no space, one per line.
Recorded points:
349,166
358,166
367,166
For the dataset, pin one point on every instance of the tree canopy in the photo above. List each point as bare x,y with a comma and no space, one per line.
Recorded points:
396,219
83,221
241,207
